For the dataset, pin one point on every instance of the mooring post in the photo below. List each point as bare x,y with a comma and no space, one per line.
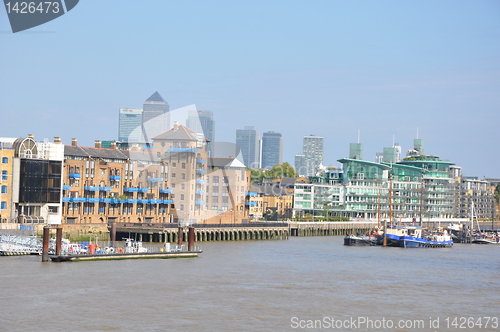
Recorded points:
385,233
191,239
59,233
180,235
113,234
45,247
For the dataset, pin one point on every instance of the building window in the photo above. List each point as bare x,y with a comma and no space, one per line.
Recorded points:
4,175
183,165
174,164
4,206
182,197
5,160
4,189
183,176
182,207
173,175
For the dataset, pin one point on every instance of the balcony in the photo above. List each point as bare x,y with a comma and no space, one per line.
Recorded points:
251,203
167,201
66,199
130,190
201,161
201,192
193,150
201,182
115,177
77,199
105,200
165,191
199,202
201,171
104,188
130,201
91,188
252,194
143,201
92,200
66,187
74,175
143,190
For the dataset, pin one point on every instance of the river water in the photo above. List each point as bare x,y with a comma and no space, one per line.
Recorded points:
308,283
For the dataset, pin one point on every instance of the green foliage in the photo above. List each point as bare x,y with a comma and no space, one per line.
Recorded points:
284,170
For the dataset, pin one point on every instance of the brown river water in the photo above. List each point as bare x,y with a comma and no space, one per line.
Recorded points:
301,284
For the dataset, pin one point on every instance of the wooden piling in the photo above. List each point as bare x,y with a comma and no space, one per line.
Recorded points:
46,240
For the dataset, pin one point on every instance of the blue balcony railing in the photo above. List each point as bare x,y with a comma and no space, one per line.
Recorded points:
165,191
66,187
251,203
201,171
66,199
201,182
167,201
130,190
131,200
104,188
199,202
91,188
142,190
201,192
201,161
115,177
92,200
252,194
74,175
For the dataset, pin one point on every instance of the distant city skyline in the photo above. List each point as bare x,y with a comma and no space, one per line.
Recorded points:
331,68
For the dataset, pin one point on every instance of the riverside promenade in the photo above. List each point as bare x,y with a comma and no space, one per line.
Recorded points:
238,232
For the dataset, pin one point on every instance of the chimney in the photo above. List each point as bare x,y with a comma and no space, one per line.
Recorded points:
31,136
74,141
113,145
176,125
98,143
57,140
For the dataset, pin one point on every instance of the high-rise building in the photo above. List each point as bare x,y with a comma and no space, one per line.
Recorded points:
300,164
272,149
248,141
313,154
202,122
155,117
129,127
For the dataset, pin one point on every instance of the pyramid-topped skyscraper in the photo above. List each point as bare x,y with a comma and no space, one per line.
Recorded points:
155,116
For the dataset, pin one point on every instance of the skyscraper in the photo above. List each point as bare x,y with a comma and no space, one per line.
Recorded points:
155,117
248,141
129,126
202,122
313,154
272,149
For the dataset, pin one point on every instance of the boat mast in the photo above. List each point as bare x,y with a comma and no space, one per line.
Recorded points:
390,200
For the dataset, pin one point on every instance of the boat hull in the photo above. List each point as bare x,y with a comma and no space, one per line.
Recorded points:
413,242
351,240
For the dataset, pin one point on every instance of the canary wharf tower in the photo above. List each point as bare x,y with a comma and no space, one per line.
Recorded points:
155,116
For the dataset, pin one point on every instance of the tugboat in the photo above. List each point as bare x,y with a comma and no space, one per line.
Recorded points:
358,240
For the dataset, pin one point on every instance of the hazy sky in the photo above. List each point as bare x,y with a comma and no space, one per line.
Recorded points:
328,68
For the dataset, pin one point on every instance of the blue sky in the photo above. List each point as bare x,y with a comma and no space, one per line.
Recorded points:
328,68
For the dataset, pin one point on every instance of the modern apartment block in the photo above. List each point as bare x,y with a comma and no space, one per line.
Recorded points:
31,181
418,188
248,141
272,149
